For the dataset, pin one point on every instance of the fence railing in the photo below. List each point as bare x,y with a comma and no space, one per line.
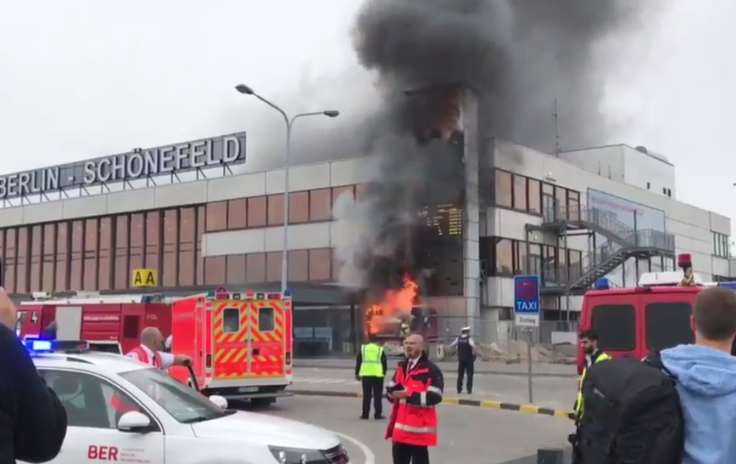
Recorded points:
552,341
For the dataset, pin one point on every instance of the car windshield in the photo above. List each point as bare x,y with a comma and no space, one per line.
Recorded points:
184,403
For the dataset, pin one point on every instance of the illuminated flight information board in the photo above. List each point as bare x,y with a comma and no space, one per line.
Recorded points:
446,220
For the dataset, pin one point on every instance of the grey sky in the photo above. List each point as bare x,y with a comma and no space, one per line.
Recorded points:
84,78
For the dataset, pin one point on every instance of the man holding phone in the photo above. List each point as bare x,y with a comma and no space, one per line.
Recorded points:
32,419
415,390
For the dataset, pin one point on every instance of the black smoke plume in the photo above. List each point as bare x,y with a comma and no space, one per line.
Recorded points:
522,55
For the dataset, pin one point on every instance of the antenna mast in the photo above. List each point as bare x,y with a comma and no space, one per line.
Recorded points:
557,129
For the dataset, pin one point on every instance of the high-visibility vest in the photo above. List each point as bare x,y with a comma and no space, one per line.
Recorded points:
579,409
413,424
371,366
117,401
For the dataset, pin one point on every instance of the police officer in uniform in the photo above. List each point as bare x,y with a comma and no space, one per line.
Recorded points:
370,369
466,354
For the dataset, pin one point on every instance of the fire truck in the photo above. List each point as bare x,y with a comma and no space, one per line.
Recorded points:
653,316
388,328
240,342
113,320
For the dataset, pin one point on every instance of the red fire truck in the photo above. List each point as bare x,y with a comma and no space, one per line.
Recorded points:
653,316
241,342
88,316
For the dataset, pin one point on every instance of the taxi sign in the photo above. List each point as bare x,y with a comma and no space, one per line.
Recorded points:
143,278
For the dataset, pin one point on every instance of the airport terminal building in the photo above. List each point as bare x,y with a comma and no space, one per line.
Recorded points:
196,215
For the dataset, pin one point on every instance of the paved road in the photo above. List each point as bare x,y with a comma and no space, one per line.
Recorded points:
467,435
549,392
481,367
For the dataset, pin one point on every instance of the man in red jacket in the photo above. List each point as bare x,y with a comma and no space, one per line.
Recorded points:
415,390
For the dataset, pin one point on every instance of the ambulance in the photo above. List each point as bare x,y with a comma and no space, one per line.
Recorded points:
241,343
653,316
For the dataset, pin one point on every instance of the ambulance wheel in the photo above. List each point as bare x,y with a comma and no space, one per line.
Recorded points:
262,402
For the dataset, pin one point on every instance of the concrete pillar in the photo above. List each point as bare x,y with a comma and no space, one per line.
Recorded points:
471,216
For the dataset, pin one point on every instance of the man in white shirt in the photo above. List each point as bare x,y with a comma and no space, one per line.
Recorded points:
151,351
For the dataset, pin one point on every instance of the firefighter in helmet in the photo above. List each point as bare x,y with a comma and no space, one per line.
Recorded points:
404,331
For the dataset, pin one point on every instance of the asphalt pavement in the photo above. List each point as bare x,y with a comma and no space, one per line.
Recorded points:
467,435
548,392
481,367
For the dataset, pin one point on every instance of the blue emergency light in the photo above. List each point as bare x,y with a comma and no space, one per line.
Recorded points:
39,346
730,285
287,293
602,284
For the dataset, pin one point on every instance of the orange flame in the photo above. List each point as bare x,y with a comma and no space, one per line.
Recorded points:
396,305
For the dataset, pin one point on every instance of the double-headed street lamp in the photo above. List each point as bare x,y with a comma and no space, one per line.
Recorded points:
245,90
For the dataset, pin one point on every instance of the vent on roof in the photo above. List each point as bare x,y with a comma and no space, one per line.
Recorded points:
642,149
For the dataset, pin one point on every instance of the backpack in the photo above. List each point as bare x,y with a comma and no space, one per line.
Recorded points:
632,415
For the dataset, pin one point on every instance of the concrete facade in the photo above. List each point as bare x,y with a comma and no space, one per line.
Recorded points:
694,229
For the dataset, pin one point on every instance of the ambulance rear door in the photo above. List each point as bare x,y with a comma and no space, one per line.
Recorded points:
230,344
269,339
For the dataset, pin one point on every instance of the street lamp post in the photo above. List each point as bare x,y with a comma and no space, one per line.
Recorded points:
245,90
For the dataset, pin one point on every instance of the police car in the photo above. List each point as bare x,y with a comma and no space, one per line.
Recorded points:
173,424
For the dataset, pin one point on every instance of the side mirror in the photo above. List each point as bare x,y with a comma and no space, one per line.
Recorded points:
220,401
134,422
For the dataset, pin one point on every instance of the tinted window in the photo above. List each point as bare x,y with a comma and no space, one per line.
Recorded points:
266,321
615,326
231,320
86,398
668,325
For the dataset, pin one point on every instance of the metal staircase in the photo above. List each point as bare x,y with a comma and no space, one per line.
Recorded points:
622,242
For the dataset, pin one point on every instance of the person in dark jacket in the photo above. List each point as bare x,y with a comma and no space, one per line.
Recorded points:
467,351
32,419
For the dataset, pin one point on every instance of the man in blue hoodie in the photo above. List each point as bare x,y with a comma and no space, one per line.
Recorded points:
706,379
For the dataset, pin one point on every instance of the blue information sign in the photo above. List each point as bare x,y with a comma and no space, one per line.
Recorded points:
526,300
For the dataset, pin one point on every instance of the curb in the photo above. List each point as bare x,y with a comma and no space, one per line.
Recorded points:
486,404
487,372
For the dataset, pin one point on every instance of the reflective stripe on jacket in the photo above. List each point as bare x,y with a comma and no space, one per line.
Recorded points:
414,419
579,408
371,365
117,401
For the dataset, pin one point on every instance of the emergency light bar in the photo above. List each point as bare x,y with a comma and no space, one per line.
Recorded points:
665,279
731,285
40,346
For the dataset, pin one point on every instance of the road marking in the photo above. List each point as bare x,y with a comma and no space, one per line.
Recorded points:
370,458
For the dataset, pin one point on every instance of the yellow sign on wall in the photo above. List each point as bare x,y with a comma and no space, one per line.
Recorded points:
144,278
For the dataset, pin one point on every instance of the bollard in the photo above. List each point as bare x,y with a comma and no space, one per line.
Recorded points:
550,456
